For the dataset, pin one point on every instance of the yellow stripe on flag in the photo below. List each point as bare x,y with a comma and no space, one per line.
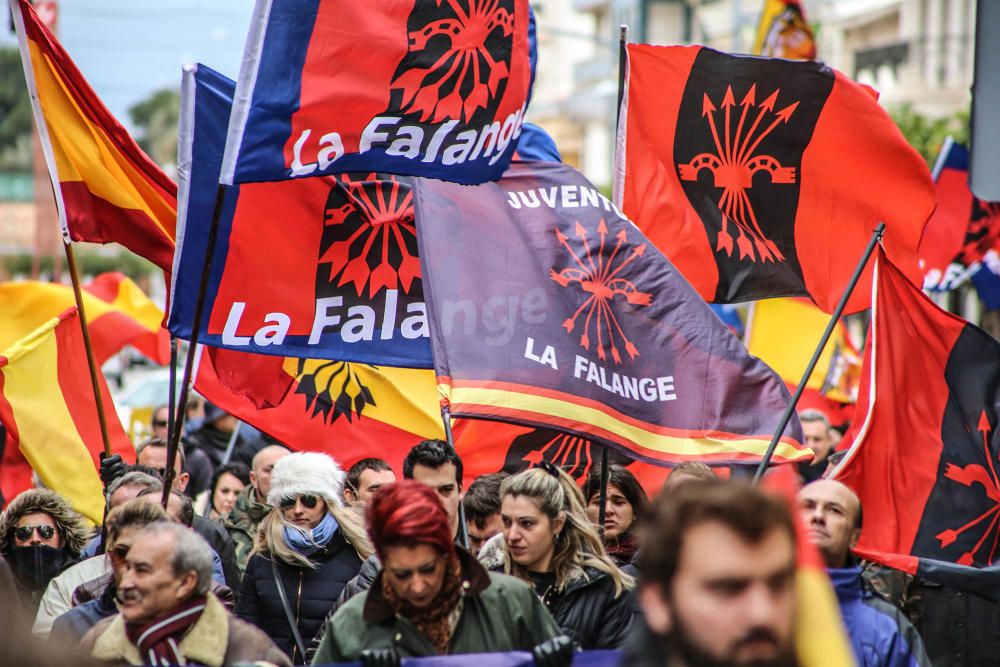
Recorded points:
28,305
820,636
47,435
83,151
471,398
132,301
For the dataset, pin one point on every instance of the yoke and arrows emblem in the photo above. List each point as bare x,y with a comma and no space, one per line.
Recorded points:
985,476
734,164
598,276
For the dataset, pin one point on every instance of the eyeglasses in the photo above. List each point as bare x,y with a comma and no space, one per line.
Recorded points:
308,501
159,423
24,532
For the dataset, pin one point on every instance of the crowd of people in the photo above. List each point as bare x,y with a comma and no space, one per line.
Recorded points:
285,558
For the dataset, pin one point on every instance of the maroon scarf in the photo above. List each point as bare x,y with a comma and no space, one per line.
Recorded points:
158,641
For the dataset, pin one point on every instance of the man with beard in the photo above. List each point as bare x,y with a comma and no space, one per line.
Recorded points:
40,536
880,633
718,577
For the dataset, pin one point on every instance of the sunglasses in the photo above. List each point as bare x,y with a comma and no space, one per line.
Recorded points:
158,423
308,501
24,532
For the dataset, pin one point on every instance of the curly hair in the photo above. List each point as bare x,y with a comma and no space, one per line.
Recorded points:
71,525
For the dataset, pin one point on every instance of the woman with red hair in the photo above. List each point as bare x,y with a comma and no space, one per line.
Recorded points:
431,598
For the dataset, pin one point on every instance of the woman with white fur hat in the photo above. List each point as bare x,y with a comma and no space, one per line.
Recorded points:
306,550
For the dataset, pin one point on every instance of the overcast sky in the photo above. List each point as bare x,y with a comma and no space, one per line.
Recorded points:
128,49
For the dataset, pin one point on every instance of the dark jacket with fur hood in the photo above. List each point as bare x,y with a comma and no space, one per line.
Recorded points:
69,522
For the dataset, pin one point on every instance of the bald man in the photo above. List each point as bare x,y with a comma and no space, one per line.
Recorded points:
880,633
251,504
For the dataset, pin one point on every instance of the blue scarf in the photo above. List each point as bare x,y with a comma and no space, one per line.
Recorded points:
308,542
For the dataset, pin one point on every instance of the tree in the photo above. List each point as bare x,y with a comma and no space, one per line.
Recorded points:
926,134
15,113
156,118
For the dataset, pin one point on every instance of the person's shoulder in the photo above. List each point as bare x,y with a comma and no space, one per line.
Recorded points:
504,584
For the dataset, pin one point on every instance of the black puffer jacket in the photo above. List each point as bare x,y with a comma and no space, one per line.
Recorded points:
310,592
588,612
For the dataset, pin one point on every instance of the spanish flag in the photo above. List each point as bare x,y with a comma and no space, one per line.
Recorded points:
119,314
106,188
782,32
783,333
47,408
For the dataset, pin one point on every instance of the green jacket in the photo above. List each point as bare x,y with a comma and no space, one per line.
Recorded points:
242,522
499,613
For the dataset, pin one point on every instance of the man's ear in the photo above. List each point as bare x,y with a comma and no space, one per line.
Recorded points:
182,481
253,478
656,609
349,495
187,586
855,536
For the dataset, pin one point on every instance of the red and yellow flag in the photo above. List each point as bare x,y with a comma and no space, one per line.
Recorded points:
107,189
118,314
47,408
783,333
782,32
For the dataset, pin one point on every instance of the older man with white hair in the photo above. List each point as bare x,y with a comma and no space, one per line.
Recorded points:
168,615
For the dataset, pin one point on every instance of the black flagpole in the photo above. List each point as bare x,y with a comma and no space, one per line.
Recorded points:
463,532
175,434
834,318
171,411
622,60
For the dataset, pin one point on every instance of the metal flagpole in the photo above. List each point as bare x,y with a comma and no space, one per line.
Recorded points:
91,361
834,318
173,386
622,60
175,434
463,532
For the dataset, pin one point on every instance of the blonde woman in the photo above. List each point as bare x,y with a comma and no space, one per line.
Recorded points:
551,544
307,549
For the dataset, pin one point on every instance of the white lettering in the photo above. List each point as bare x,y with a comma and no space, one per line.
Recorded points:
371,135
331,149
323,319
360,324
665,385
407,146
299,169
275,333
389,314
415,326
438,139
229,336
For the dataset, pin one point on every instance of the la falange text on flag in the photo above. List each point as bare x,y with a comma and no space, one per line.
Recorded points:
764,177
106,188
566,317
405,87
924,450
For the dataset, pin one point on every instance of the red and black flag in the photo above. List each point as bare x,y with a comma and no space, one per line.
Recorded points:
924,453
548,308
963,228
760,178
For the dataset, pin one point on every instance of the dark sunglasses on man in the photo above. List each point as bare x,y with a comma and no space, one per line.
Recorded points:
308,501
160,423
24,532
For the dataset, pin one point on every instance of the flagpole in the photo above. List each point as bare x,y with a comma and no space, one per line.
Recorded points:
463,532
175,434
171,411
88,346
622,44
834,318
